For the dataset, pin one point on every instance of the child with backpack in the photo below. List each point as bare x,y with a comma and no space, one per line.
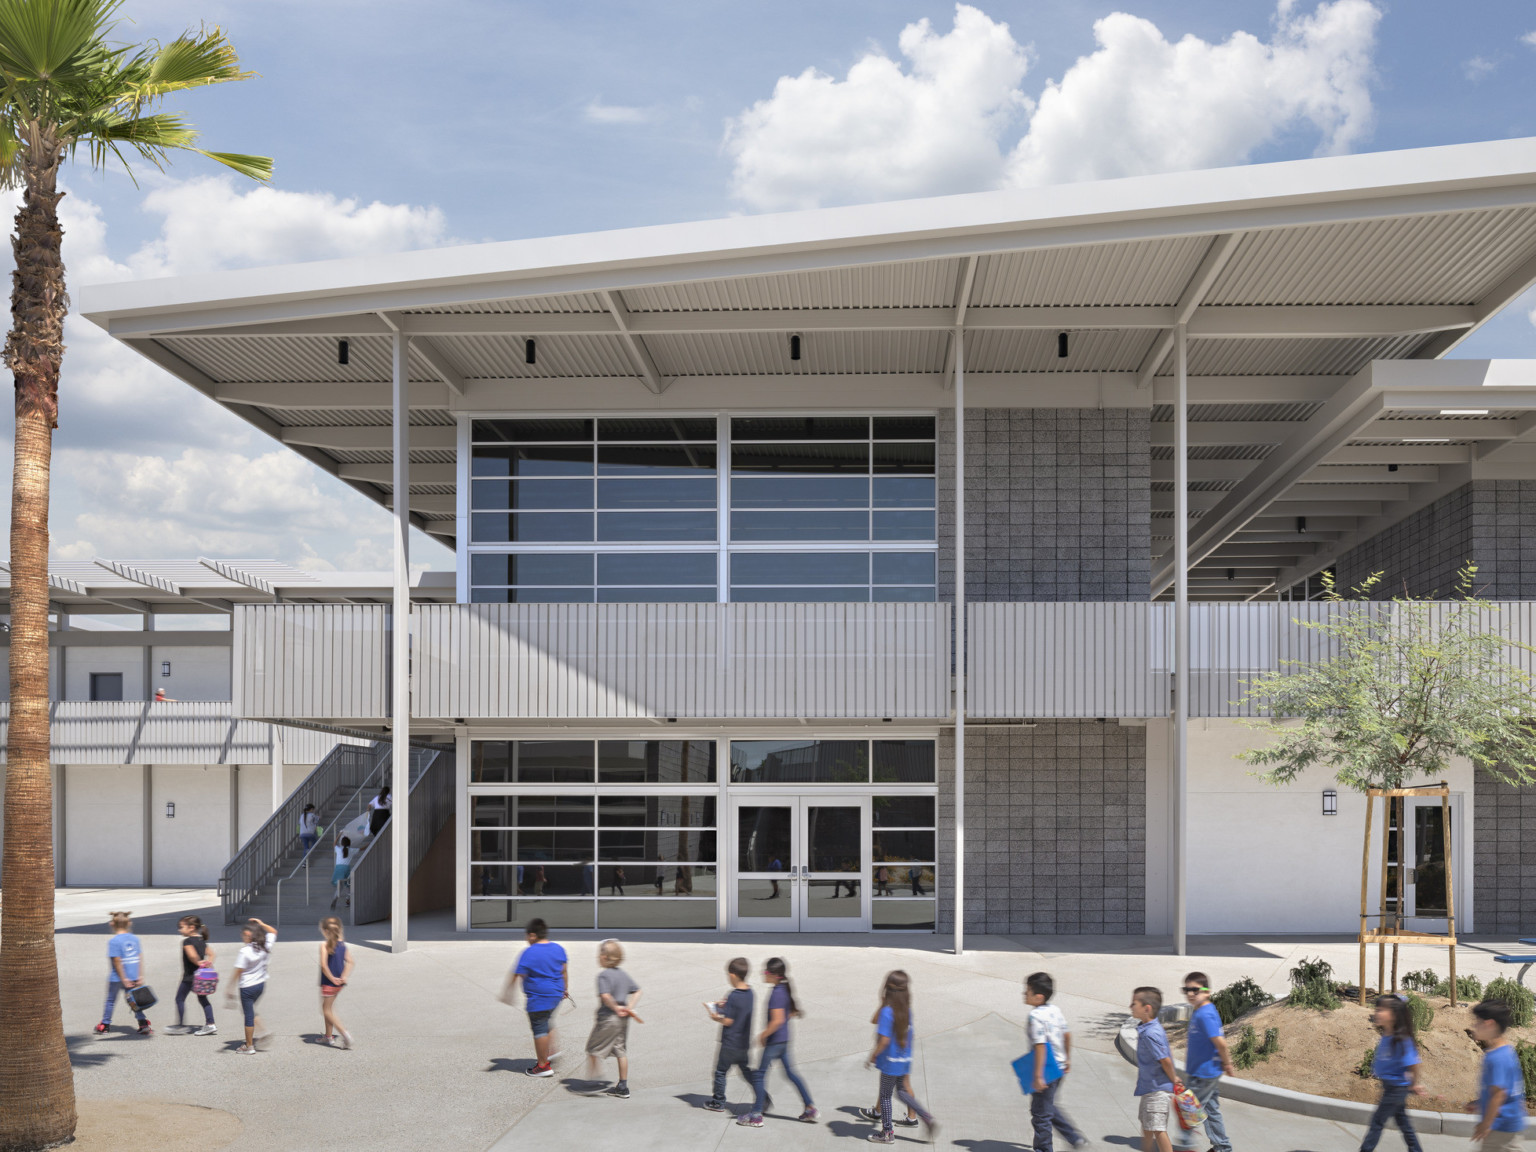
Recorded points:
124,953
196,973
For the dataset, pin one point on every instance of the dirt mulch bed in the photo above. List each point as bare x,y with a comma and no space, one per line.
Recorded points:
1319,1052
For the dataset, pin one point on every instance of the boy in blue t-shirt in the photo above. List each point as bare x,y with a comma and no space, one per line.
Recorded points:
1501,1103
1204,1063
123,954
1156,1084
545,974
734,1015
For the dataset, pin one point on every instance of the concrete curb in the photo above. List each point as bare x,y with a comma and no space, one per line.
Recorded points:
1321,1107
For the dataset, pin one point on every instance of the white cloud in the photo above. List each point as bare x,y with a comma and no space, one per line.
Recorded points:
146,467
600,113
948,120
1529,38
884,131
1478,67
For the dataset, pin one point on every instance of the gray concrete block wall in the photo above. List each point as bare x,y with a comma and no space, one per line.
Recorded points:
1058,503
1504,858
1055,829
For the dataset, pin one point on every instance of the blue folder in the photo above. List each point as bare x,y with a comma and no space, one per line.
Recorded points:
1024,1069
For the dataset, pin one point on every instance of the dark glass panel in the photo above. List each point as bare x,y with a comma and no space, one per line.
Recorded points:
640,459
541,845
901,880
903,567
490,596
902,594
833,838
553,761
658,492
490,528
806,526
790,458
664,812
904,428
531,568
801,491
641,527
904,491
788,594
621,915
800,568
902,915
660,762
653,595
903,845
767,900
661,428
657,568
549,596
515,913
535,460
904,762
551,527
903,525
827,899
490,762
763,837
537,494
800,761
900,811
545,811
531,431
913,458
657,846
799,428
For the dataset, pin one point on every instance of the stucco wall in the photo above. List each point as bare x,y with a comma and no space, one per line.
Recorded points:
192,847
104,829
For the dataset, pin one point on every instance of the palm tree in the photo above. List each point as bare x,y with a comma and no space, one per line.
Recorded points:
63,86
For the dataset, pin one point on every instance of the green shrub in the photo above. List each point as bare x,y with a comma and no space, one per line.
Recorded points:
1319,994
1423,1014
1425,981
1468,988
1240,998
1527,1053
1367,1064
1245,1053
1271,1043
1311,971
1522,1004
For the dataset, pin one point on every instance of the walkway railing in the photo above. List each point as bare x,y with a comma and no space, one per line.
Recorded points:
257,862
431,806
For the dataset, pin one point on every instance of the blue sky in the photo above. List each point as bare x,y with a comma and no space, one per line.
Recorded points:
468,121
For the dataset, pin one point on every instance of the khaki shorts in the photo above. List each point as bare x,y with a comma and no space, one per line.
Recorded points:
1502,1142
1152,1113
608,1036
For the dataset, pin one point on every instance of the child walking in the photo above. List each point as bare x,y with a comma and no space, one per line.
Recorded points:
1396,1065
545,973
775,1042
336,962
734,1015
617,996
250,976
309,828
1051,1042
195,954
1156,1082
342,872
1206,1061
1500,1105
893,1056
124,953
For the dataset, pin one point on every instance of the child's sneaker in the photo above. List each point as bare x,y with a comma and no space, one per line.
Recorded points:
207,1030
246,1050
750,1120
100,1028
713,1105
540,1070
808,1116
870,1114
618,1092
905,1121
882,1137
145,1029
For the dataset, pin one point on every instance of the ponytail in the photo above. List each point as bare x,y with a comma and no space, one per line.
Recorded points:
780,972
346,847
197,925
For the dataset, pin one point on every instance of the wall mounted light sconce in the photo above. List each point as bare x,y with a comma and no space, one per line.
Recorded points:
343,351
794,347
1061,345
530,352
165,667
170,809
1330,802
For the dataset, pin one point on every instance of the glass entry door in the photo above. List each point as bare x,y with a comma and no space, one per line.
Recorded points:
1425,897
801,862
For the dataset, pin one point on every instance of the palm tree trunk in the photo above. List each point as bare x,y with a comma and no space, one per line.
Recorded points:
37,1092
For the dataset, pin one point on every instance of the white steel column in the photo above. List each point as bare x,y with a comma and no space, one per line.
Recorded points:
461,754
959,642
1181,642
277,758
400,656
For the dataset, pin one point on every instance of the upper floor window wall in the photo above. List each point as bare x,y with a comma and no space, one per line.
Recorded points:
766,507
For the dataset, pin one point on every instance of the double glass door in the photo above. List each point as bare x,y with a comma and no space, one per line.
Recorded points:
801,863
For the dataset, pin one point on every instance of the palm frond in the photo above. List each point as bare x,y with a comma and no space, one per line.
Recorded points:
190,61
53,40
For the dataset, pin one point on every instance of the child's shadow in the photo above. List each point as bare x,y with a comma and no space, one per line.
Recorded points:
992,1145
507,1064
1131,1141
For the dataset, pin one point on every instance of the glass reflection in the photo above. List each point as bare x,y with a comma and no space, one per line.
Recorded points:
629,914
763,838
889,845
655,880
516,913
901,880
825,898
800,761
764,899
903,915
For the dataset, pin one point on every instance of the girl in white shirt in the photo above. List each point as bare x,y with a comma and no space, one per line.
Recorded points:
378,811
250,976
342,872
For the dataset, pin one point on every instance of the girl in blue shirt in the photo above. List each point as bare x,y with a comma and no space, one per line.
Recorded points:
893,1056
1396,1065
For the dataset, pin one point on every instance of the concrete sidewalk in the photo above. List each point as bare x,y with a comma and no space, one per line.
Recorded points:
439,1061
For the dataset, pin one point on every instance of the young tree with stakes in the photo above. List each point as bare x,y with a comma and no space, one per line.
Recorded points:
63,87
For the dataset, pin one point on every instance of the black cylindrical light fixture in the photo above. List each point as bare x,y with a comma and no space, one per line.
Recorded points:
530,352
1301,523
343,351
1231,573
794,347
1391,467
1061,345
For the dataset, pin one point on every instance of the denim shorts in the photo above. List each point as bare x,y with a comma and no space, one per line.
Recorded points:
539,1021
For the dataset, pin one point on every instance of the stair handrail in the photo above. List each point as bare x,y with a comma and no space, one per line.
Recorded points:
431,795
259,857
338,822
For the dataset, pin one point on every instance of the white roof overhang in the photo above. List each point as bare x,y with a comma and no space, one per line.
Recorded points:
1292,279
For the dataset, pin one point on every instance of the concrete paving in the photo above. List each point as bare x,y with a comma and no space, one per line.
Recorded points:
439,1062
